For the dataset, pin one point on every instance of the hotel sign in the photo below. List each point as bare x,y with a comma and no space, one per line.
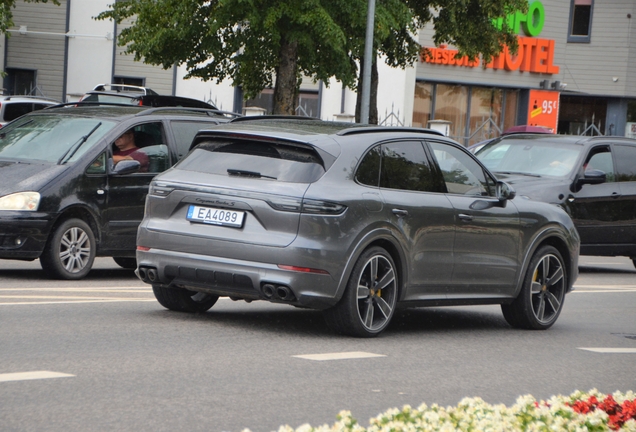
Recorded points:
534,54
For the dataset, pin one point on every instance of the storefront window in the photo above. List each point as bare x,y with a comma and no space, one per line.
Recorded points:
582,115
422,104
485,114
510,110
451,104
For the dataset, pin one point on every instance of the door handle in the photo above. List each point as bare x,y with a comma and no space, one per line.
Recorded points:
465,217
400,212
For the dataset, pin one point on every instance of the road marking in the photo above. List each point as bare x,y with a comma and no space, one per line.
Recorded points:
23,376
338,356
600,291
78,301
96,289
611,350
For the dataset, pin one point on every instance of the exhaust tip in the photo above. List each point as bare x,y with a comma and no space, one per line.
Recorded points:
152,275
268,290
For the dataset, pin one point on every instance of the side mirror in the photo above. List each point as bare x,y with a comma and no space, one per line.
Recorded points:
504,191
126,167
590,176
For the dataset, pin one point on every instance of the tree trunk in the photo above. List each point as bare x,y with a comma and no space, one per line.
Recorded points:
373,96
286,87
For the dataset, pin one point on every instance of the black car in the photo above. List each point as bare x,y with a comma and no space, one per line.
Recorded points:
592,178
143,96
64,200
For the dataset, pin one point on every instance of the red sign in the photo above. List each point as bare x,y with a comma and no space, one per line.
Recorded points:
543,109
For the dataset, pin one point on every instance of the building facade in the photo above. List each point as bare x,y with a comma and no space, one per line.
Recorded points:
574,72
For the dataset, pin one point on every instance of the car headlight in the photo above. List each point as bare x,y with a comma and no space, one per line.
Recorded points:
27,201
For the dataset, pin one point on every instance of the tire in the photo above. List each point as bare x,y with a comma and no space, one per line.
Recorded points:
182,300
70,251
369,300
125,262
541,298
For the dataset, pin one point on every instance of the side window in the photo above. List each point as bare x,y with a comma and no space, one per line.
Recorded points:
14,110
145,143
625,163
405,166
462,174
184,132
369,169
580,29
600,158
98,166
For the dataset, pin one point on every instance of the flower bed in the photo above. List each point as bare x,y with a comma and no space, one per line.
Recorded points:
591,411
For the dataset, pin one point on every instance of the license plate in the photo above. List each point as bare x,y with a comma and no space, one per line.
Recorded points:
215,216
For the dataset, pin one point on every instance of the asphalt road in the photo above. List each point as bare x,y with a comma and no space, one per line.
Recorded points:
102,355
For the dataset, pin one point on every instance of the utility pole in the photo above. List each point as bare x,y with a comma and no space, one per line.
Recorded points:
368,61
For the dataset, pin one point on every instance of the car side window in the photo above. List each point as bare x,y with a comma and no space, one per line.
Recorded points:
184,132
98,166
151,150
405,166
600,158
368,172
462,174
625,163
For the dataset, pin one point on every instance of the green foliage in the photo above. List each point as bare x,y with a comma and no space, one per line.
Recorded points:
243,40
6,12
237,39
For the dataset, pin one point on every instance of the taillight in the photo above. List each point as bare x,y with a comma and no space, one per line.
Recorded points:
143,248
302,269
322,207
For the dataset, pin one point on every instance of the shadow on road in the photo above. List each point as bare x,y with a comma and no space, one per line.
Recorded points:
295,322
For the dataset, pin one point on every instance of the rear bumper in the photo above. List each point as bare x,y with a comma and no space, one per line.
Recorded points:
236,278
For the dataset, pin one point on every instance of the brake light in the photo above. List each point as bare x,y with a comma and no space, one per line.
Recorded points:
302,269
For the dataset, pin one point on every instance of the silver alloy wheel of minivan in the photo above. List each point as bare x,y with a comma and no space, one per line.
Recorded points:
70,252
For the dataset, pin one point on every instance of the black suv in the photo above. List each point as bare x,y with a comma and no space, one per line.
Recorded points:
64,200
143,96
592,178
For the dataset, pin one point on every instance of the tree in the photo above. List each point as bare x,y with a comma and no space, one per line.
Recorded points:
250,42
253,41
6,13
469,25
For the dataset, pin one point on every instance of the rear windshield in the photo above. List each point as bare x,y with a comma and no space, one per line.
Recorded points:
51,138
262,160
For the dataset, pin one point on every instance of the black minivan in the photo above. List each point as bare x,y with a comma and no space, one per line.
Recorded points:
63,199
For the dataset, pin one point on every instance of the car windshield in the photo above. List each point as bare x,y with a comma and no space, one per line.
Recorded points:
530,156
51,138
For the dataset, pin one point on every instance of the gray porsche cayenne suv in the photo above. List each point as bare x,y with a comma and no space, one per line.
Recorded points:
352,220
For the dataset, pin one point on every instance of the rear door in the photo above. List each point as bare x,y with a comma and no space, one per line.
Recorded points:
422,214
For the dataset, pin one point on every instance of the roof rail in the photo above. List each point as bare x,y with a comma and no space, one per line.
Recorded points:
274,117
375,129
124,88
153,110
8,97
96,103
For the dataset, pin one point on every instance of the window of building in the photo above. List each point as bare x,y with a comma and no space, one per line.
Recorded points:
423,104
580,21
451,104
20,81
485,114
140,82
474,113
